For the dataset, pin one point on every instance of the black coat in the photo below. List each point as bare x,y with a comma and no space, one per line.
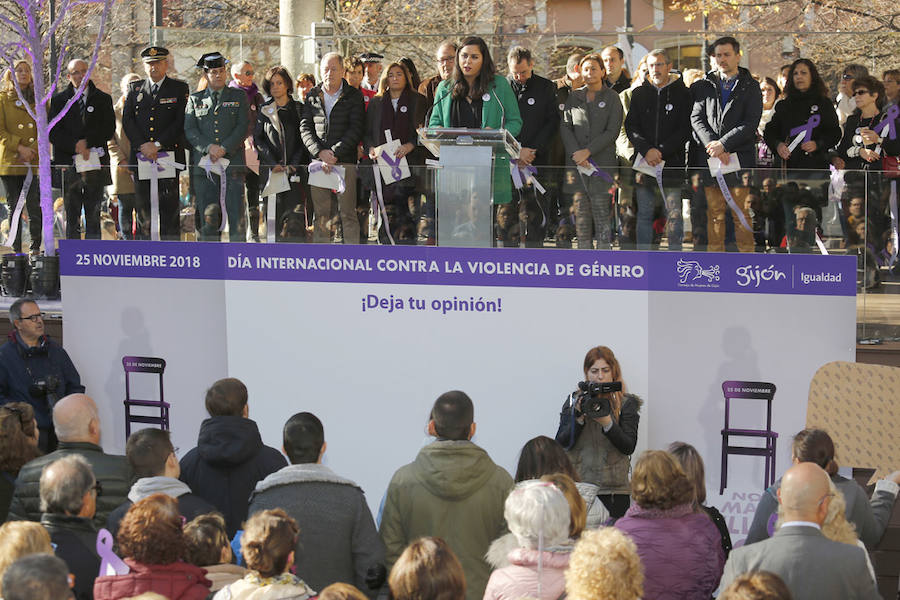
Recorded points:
342,131
734,125
416,118
98,126
660,118
227,463
540,115
849,147
267,138
160,119
794,111
75,541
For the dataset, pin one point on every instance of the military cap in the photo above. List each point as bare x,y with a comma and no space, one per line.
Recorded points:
370,57
211,60
154,53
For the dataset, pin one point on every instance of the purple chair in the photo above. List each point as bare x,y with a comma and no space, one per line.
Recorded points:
749,390
144,364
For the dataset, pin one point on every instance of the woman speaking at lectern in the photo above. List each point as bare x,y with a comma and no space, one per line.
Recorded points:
476,97
598,426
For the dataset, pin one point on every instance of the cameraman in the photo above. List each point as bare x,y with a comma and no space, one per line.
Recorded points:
35,369
600,447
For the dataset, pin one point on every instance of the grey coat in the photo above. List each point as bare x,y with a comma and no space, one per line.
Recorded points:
338,540
595,126
812,566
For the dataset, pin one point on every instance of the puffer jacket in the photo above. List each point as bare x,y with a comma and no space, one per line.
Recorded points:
523,579
176,581
681,551
342,131
660,118
452,490
228,462
112,472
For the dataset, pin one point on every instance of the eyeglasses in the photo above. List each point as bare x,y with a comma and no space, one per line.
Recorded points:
446,59
860,92
97,488
248,73
33,318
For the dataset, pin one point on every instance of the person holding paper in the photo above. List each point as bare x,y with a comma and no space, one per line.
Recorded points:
658,125
392,118
726,112
153,119
215,126
591,123
83,131
281,151
18,149
334,118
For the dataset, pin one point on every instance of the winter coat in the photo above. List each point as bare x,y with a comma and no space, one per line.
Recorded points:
522,578
797,110
734,125
584,126
75,541
254,587
869,516
112,472
21,366
338,540
223,575
189,505
97,127
660,118
680,549
119,151
540,116
416,118
175,581
267,138
228,462
850,145
499,111
16,127
342,131
452,490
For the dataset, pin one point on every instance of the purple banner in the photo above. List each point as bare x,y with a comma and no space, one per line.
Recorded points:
430,265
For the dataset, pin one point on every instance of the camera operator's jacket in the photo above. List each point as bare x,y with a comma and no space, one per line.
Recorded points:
21,366
602,458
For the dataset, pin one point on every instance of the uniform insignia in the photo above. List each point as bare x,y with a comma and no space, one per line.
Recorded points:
168,100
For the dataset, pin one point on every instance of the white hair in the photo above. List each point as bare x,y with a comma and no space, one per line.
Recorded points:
239,66
537,513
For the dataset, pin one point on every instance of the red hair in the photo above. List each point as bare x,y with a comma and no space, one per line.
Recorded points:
150,532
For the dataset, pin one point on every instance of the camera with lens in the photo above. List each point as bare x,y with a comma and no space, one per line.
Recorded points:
45,388
594,397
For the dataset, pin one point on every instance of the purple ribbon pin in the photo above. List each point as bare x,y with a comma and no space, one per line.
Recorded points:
110,563
889,123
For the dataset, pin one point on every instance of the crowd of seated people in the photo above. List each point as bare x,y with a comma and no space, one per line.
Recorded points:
454,525
622,157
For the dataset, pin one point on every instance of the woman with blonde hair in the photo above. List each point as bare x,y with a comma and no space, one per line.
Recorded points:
679,546
427,570
21,538
604,566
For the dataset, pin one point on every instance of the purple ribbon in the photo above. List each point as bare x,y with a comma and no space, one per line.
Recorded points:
895,235
20,205
720,179
154,192
394,163
889,123
598,172
377,202
110,563
317,165
806,129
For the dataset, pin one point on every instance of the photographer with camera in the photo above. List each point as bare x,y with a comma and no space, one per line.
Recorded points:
598,427
35,369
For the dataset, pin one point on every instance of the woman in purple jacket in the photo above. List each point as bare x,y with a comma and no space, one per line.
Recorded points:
679,547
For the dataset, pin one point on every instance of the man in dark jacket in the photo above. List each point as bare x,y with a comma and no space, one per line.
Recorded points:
616,74
338,540
658,126
230,458
77,424
89,123
540,125
725,116
332,126
35,369
152,456
68,503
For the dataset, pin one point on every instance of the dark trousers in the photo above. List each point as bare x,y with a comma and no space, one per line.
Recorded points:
169,204
13,184
251,184
83,191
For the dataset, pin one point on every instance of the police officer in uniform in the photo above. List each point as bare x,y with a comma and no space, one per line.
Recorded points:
153,119
215,125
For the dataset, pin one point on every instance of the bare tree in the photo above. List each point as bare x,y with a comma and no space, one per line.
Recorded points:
30,31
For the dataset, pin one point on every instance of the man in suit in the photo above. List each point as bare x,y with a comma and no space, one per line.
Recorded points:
812,566
153,119
88,124
215,126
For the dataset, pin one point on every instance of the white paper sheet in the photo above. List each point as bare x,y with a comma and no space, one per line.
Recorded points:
329,181
278,183
91,164
715,165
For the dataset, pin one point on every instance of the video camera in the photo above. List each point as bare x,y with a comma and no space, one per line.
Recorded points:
594,397
45,388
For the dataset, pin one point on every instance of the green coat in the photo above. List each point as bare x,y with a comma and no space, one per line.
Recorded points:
225,125
492,117
16,127
452,490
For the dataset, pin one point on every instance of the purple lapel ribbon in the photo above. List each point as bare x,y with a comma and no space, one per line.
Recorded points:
598,172
222,182
110,563
889,123
317,165
394,163
20,205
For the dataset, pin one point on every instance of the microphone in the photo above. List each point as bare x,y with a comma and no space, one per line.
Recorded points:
502,110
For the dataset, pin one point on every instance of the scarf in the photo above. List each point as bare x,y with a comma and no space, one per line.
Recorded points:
396,121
